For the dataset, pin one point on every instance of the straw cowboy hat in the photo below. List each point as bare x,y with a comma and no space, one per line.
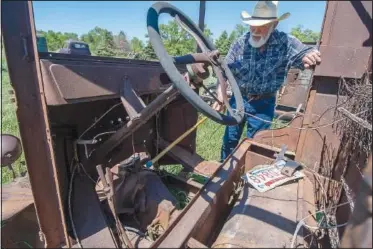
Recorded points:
264,12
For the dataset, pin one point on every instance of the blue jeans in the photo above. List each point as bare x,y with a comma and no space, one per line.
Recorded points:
262,108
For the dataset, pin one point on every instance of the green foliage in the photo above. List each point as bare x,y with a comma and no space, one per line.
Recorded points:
241,30
137,46
222,43
106,45
122,45
148,52
176,40
56,40
305,35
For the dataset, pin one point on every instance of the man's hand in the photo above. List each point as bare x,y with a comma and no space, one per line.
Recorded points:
311,59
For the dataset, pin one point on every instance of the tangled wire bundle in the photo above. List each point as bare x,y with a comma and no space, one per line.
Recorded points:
359,98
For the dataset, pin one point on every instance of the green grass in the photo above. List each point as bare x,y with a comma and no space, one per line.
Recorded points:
9,123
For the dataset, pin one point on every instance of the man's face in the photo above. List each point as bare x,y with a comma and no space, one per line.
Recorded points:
260,34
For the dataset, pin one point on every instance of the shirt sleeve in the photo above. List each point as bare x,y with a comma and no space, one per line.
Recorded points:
297,50
235,50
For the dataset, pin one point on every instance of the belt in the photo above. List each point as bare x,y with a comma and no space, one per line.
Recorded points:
260,96
257,96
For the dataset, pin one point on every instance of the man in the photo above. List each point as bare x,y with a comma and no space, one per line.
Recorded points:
259,61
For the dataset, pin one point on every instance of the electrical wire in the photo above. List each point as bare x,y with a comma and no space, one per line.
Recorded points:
69,205
98,120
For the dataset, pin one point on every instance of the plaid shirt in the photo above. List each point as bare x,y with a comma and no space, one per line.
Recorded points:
264,73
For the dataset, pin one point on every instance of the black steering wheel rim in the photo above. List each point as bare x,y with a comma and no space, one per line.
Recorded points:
168,65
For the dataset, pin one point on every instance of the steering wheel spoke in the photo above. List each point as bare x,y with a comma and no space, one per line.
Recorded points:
209,55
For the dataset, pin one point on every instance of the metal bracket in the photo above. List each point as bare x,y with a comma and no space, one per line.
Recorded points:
131,101
290,167
281,155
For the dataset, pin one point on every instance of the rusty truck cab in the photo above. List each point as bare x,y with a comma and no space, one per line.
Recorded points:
64,102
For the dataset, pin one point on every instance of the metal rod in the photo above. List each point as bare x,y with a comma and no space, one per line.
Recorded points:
201,19
171,145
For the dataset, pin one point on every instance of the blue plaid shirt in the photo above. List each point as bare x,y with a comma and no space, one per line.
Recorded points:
264,73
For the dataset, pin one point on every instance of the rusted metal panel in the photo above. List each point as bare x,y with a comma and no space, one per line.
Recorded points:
90,222
266,219
346,39
21,230
296,90
284,136
347,62
193,243
359,230
317,140
24,70
68,80
178,117
197,212
272,212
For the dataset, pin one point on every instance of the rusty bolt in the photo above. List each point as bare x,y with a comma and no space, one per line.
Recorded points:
11,92
13,100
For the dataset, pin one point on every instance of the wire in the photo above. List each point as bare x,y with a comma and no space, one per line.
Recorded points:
85,172
302,223
24,242
69,205
102,133
93,141
103,115
301,128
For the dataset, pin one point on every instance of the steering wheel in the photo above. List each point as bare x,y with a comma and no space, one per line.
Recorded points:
209,54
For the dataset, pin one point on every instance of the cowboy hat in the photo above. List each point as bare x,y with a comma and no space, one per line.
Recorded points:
264,12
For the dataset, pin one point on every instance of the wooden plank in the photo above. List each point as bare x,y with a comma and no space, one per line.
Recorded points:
193,243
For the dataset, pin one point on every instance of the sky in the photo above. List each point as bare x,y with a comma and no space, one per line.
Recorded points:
130,16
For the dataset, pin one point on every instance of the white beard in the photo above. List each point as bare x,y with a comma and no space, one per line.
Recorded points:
262,41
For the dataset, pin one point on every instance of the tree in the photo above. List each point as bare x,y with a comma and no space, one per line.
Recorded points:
137,46
223,43
56,40
121,43
175,39
100,41
106,46
207,32
305,35
149,53
240,30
